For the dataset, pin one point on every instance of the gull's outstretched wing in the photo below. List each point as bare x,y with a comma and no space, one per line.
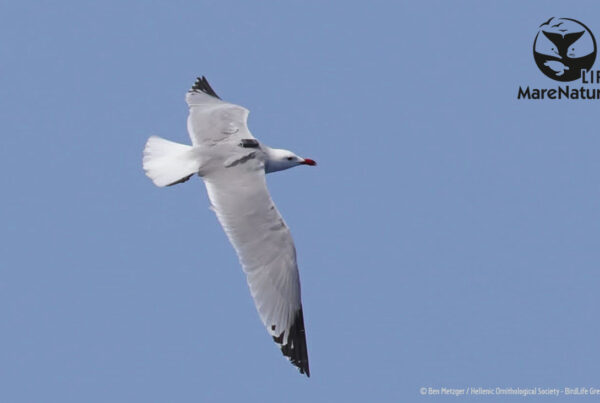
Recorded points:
262,240
212,120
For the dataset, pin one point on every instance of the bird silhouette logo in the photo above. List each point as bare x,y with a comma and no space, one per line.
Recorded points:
563,47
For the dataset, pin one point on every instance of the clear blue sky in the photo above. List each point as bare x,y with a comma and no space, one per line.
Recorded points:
448,237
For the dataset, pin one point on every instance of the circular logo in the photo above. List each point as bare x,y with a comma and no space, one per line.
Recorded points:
563,47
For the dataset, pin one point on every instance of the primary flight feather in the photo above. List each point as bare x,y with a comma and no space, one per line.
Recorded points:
233,165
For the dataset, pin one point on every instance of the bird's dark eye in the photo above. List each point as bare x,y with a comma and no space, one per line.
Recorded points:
290,158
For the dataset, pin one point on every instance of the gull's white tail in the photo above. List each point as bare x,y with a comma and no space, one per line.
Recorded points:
168,163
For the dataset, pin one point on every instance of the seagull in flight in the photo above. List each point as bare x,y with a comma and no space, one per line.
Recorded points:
233,165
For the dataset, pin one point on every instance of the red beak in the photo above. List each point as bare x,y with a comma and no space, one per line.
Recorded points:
308,161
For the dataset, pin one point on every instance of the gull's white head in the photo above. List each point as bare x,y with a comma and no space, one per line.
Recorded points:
279,159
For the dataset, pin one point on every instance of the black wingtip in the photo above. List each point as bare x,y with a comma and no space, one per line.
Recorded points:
202,84
295,349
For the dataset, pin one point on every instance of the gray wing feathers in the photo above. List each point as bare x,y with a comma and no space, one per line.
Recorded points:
262,241
240,198
212,120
